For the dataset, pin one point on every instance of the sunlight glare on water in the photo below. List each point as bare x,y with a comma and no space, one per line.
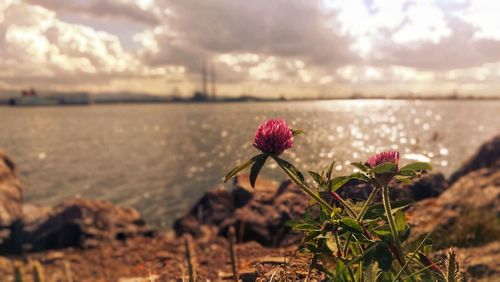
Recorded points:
161,158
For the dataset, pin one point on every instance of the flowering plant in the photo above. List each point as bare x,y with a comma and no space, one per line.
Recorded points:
354,242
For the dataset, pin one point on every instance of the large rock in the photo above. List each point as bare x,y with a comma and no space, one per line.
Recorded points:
488,155
79,223
11,196
477,263
258,213
264,218
464,215
428,186
213,208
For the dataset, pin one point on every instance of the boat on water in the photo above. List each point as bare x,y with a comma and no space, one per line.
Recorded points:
31,98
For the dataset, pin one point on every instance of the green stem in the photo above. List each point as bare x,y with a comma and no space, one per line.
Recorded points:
306,189
413,255
392,226
362,255
390,219
367,203
362,213
348,208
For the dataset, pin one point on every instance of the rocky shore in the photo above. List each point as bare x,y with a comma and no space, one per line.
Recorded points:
92,240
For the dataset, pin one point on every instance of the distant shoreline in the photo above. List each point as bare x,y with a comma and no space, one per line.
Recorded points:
169,100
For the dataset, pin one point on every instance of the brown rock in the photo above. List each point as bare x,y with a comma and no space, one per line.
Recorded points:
258,213
11,197
80,223
428,186
213,208
11,194
478,263
264,218
464,215
488,155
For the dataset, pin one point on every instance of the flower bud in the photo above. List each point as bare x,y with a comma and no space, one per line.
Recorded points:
385,157
273,137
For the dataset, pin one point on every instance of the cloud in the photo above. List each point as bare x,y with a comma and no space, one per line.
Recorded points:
143,11
301,47
37,48
200,30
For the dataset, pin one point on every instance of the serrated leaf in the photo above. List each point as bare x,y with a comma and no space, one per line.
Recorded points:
256,167
384,168
417,166
241,167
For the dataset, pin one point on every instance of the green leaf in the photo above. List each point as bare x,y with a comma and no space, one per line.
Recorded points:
371,271
403,179
340,181
306,227
241,167
316,177
384,168
417,166
400,220
359,176
341,272
361,166
256,167
383,231
290,167
337,182
383,256
351,225
296,132
406,233
377,210
331,243
407,173
330,170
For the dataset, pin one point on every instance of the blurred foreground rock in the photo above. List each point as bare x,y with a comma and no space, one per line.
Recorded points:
74,223
80,223
258,214
488,155
465,214
428,186
11,197
480,263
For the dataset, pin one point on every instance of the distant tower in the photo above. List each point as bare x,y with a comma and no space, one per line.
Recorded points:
204,74
214,90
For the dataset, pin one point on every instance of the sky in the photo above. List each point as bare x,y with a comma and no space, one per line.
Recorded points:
291,48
